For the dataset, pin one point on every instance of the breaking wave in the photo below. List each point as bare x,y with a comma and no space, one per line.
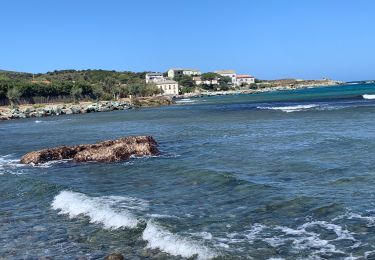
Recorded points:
368,96
289,109
157,237
113,212
99,212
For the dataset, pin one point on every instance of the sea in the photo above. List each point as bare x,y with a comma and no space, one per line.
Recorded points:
276,175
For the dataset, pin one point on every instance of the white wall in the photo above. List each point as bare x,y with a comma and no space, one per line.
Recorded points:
168,89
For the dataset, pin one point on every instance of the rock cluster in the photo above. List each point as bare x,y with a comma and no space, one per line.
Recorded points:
153,101
63,109
106,151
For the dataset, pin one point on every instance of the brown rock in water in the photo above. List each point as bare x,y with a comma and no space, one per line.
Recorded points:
107,151
114,256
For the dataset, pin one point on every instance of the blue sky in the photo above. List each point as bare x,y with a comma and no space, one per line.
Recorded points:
265,38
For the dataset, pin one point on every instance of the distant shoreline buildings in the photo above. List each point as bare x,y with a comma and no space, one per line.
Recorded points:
169,86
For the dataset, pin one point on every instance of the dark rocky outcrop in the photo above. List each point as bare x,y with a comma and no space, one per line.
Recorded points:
107,151
152,101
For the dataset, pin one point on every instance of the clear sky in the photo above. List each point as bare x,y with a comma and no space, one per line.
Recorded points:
265,38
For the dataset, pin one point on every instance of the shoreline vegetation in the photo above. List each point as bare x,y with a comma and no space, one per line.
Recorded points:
26,95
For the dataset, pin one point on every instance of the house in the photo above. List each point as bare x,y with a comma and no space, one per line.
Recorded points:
244,80
154,77
169,87
228,73
178,71
199,81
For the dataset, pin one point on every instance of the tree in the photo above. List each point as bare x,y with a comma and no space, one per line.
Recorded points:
141,89
210,76
76,93
97,91
185,81
224,82
187,89
14,94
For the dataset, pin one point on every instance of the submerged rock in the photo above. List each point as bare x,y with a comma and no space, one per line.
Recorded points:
107,151
114,256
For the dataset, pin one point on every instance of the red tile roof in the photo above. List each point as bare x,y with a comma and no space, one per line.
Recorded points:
244,76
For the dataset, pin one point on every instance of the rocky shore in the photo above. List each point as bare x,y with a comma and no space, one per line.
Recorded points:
61,109
106,151
44,110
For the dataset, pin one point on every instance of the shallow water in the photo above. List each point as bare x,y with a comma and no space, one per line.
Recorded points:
274,175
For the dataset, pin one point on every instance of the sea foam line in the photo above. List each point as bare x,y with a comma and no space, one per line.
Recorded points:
289,109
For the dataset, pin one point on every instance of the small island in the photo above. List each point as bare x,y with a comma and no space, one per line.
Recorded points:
106,151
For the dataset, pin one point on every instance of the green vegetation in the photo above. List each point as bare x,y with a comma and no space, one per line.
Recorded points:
186,83
77,84
14,94
76,93
224,83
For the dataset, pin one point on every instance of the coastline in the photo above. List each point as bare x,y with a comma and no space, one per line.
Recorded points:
261,90
56,109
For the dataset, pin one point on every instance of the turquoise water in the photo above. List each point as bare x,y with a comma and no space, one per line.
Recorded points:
285,175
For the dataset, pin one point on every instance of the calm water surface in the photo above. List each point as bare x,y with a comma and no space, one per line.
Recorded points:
286,175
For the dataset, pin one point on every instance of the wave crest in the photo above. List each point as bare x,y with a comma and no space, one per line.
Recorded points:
74,204
157,237
368,96
113,212
289,109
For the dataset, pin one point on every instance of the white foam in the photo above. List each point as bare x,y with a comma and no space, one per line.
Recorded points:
351,215
368,96
162,216
51,163
10,165
340,232
96,208
254,231
185,100
159,238
289,109
204,235
302,239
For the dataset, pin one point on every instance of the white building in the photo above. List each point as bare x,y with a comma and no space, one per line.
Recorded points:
154,77
228,73
178,71
169,87
199,81
244,80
